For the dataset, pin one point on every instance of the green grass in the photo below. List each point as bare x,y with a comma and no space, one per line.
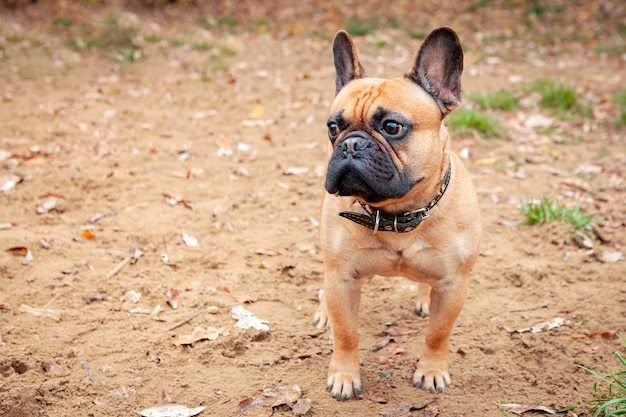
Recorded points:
554,95
547,211
500,100
466,121
610,397
621,29
114,33
211,22
361,27
620,99
417,34
62,21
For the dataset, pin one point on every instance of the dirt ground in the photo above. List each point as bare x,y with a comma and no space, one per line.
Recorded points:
146,192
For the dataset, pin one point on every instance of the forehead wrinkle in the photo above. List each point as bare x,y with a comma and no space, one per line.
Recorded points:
364,102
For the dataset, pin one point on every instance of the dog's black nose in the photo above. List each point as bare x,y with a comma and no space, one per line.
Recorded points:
353,145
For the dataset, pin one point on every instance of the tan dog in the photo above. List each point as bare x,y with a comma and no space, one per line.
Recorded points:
399,202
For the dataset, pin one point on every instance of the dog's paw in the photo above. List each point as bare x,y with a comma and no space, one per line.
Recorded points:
422,308
431,378
343,386
320,320
344,375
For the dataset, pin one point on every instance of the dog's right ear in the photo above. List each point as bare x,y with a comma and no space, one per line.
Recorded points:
347,63
438,68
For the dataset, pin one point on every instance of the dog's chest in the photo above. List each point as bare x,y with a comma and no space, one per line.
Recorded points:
399,253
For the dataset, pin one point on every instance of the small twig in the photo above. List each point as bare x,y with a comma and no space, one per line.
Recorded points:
113,272
41,312
180,323
53,299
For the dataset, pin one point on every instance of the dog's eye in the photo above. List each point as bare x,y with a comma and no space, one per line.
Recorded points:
392,128
333,130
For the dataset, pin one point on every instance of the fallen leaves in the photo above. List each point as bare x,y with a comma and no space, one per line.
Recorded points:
247,320
51,202
22,251
520,409
274,396
602,334
171,410
7,182
189,240
541,327
175,200
198,334
609,257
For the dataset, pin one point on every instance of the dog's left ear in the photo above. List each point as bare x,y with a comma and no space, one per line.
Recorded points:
347,63
438,68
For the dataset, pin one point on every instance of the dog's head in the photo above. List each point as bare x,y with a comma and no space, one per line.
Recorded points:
386,135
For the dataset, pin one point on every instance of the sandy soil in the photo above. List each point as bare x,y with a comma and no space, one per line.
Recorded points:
103,160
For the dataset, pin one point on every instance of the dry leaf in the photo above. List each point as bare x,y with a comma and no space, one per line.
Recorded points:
8,182
51,203
604,335
257,112
172,298
166,260
131,296
171,410
267,252
246,299
22,251
247,320
541,327
302,406
210,333
282,394
18,250
136,255
190,240
395,350
608,257
296,171
520,409
174,200
381,343
589,169
95,298
87,234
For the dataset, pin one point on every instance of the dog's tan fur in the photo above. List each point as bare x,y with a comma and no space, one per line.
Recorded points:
438,254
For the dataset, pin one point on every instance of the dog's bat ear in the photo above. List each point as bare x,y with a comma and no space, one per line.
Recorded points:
347,63
438,67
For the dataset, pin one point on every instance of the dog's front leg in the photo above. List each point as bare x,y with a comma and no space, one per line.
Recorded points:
446,301
342,294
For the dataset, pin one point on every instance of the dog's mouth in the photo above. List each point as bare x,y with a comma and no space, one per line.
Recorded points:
360,167
351,184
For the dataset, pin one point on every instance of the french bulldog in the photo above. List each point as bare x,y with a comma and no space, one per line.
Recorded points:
398,202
